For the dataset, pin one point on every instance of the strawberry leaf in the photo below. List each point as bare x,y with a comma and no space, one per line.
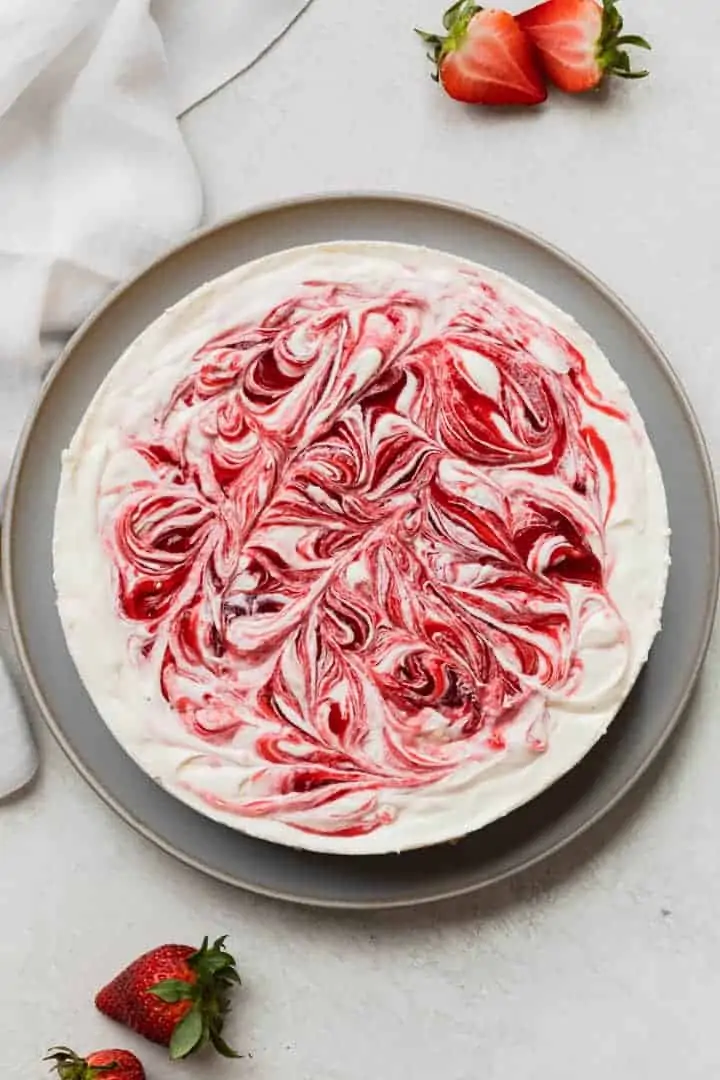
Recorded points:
630,74
216,976
222,1047
610,49
230,976
188,1035
457,11
216,962
634,39
172,991
455,22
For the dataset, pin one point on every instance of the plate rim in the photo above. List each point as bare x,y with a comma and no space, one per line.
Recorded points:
233,221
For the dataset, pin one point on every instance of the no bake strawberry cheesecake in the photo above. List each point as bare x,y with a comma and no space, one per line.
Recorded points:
359,547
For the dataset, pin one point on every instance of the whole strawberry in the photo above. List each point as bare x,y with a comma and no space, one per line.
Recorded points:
580,42
484,58
175,995
100,1065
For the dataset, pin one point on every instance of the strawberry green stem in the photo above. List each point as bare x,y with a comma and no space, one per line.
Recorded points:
216,975
610,52
70,1066
456,21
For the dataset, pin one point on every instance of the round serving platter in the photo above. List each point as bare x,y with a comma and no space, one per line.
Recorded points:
541,827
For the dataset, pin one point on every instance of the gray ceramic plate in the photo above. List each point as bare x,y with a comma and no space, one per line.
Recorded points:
525,836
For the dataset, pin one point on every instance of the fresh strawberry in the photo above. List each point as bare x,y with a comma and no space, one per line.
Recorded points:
580,42
100,1065
484,58
175,995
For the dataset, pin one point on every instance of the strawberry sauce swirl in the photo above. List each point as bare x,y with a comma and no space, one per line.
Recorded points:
369,532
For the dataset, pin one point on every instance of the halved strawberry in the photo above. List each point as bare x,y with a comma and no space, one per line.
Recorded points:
484,58
580,42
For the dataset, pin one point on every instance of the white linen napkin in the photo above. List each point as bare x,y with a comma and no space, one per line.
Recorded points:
18,758
95,179
205,51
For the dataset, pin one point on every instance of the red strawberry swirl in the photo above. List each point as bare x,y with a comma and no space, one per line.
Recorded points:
365,545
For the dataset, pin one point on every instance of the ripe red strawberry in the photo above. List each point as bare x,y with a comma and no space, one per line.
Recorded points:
175,995
484,58
100,1065
580,42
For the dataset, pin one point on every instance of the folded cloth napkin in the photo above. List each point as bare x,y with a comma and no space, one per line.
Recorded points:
95,179
205,51
18,759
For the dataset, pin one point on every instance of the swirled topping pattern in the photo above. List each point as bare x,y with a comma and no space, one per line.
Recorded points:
364,538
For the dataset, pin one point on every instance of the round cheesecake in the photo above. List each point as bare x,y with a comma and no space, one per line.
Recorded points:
360,547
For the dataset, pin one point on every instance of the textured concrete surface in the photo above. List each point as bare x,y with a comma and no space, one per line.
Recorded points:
607,960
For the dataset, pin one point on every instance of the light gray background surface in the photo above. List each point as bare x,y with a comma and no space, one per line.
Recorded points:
607,960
